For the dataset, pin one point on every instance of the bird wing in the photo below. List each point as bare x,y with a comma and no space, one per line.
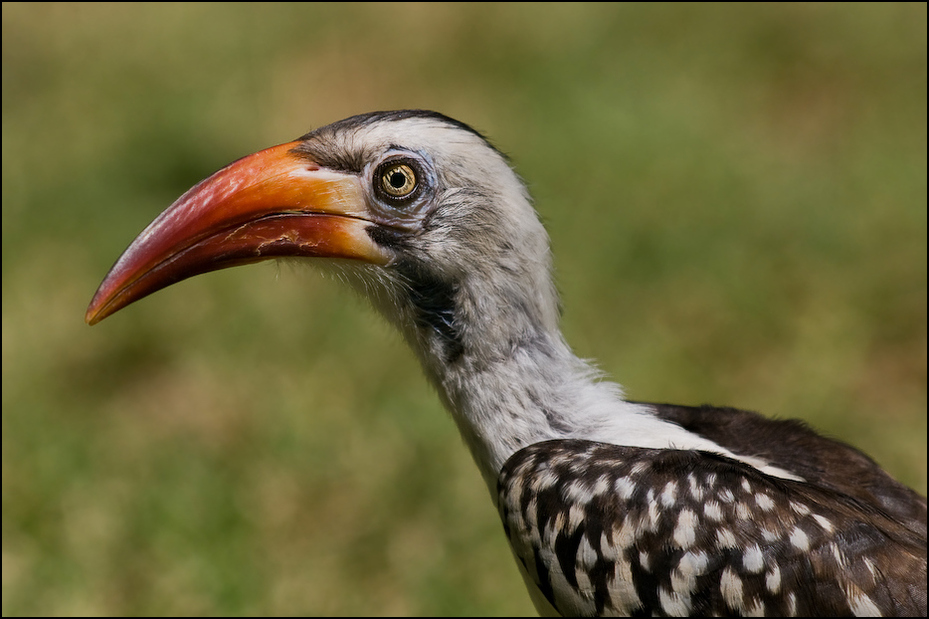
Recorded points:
609,529
791,445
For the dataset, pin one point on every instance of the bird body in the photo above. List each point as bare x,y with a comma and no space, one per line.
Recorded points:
610,506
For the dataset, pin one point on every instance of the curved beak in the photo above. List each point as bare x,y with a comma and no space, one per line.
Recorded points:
274,203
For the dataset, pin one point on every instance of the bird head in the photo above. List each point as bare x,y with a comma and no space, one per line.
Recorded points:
419,211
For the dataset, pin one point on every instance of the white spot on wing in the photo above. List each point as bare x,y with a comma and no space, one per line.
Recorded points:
799,540
725,539
674,604
755,610
861,604
712,511
669,494
753,560
578,492
743,511
765,502
576,515
801,509
624,488
695,490
684,576
772,581
556,524
768,535
586,555
838,555
685,532
638,468
823,522
653,512
622,592
730,585
626,535
531,513
608,551
545,480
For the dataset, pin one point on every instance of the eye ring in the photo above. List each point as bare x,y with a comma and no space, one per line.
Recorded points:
398,180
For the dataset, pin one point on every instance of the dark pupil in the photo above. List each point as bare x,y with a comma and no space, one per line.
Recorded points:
397,180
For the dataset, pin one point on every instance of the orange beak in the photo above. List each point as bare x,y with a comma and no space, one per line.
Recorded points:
274,203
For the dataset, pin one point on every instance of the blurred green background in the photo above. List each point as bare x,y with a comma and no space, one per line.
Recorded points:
736,196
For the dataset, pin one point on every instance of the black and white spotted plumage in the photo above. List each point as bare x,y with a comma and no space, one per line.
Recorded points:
611,506
616,530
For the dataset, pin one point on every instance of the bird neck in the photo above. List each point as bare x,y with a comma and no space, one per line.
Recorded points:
505,402
506,374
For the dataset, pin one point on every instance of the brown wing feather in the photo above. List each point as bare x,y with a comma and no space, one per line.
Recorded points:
623,530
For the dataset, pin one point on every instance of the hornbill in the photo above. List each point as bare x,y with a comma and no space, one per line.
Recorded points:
610,506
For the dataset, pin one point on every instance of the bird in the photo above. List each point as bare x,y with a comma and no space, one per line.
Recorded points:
611,506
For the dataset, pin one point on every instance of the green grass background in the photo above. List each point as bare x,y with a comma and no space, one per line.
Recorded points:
736,196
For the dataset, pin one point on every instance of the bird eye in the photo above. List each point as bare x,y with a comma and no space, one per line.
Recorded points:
398,180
